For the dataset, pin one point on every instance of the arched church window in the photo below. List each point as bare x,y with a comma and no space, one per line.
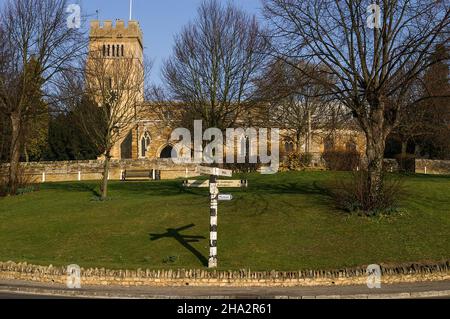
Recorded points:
113,50
351,146
145,144
122,50
289,146
104,50
109,47
329,144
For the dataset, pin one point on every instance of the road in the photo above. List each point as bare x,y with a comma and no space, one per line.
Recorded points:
18,289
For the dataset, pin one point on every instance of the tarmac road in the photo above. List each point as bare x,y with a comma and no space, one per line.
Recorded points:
25,290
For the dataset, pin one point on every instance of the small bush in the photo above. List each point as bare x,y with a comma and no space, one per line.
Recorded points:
25,184
352,195
242,168
342,160
296,162
3,186
406,163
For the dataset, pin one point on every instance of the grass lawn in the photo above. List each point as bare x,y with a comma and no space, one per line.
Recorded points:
282,222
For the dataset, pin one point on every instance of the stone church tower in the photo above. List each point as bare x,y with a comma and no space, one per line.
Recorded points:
113,42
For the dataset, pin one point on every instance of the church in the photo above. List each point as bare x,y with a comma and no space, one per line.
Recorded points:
149,136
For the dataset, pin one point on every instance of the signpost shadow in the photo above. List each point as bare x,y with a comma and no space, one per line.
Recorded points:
184,240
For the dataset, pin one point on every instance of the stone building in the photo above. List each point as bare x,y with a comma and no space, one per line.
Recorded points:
149,136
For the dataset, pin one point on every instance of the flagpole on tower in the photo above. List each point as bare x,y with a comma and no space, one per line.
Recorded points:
131,9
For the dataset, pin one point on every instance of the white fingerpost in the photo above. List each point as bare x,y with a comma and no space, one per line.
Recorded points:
214,193
43,177
79,175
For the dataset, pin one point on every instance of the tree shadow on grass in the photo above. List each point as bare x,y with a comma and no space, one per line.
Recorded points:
79,187
165,188
184,240
297,188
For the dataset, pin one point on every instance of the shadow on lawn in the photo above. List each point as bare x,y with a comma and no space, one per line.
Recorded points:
184,240
81,187
296,188
165,188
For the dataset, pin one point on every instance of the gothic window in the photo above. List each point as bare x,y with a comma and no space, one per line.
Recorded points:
109,47
113,50
351,146
145,144
329,144
122,50
104,50
289,146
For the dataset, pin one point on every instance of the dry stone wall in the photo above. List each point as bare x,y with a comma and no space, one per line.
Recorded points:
433,167
242,278
91,170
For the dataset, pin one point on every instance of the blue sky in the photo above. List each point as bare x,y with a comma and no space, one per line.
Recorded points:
159,19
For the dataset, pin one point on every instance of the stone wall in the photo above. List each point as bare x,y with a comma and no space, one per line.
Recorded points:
241,278
92,170
434,167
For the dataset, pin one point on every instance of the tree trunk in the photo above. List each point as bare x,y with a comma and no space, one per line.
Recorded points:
14,159
404,149
25,151
376,143
298,142
309,137
104,189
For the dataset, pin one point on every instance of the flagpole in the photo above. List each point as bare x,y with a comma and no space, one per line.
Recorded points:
131,9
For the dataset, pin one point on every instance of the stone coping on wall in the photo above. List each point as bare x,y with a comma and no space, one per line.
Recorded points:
411,272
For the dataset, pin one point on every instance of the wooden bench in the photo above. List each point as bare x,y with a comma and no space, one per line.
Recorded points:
141,175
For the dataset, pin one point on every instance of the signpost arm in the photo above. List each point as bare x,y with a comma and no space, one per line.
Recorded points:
214,192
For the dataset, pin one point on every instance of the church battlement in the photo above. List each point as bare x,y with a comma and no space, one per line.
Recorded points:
109,30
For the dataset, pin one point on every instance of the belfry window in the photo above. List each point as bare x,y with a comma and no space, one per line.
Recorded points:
113,50
122,50
108,50
104,50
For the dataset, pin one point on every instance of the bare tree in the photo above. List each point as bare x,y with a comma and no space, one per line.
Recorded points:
214,62
36,45
297,104
374,55
114,92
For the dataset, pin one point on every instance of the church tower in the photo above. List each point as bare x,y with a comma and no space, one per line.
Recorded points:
117,40
114,42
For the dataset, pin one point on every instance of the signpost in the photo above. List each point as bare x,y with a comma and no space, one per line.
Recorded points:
215,197
225,197
215,171
220,183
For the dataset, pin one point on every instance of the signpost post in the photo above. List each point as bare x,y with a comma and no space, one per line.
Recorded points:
215,197
214,193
